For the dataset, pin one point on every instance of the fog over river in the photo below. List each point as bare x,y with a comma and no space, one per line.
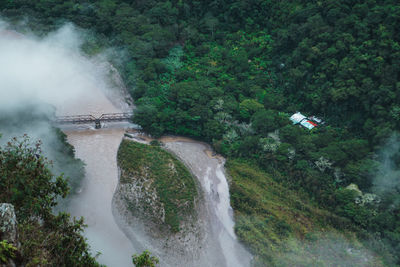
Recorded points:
52,70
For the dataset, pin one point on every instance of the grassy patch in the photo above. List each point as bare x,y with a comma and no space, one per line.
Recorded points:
173,182
277,224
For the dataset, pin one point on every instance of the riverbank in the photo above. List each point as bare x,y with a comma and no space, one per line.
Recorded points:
217,244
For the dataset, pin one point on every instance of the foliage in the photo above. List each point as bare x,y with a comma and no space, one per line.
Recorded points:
27,183
326,249
340,63
144,260
7,251
65,162
173,182
268,215
57,242
232,72
28,118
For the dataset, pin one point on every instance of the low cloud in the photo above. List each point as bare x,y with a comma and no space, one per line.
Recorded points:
41,76
327,249
386,182
49,70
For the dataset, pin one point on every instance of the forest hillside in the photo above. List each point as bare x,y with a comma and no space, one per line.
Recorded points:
233,72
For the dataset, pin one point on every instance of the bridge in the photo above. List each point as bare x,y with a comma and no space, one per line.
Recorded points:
82,119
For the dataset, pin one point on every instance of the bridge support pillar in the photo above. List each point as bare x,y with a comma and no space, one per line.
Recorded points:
97,124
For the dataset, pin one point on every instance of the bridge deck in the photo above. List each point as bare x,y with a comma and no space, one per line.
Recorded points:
80,119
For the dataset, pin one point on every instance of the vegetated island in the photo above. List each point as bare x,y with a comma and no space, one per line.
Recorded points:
232,72
157,190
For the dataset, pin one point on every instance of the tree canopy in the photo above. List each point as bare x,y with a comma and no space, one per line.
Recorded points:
232,72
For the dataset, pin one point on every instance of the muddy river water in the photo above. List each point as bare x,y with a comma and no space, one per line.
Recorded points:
98,149
56,73
110,235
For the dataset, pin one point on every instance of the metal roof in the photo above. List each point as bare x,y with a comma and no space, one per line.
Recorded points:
297,118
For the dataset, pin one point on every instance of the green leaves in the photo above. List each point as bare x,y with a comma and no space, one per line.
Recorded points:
27,183
248,107
26,180
144,260
7,251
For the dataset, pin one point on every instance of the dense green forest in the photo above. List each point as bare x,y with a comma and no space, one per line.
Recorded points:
232,72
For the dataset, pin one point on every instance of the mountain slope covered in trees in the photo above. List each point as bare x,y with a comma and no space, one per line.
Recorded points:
232,72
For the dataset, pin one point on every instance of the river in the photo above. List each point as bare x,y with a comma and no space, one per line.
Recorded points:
209,170
98,149
55,72
217,245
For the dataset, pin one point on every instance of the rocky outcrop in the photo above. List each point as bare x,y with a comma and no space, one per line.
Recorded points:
8,224
8,228
141,198
145,214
